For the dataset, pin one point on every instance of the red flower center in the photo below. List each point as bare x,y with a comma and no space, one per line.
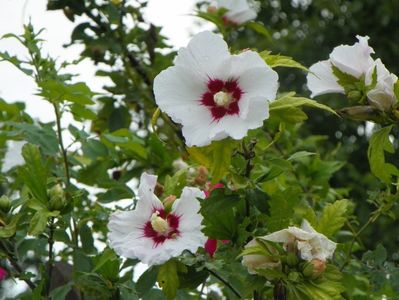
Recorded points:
222,98
171,225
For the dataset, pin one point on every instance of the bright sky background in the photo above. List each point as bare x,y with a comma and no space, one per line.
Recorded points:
173,15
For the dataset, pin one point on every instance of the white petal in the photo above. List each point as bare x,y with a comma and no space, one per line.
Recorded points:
300,234
197,134
256,111
307,227
187,208
126,231
281,236
148,201
382,96
178,93
255,77
305,249
354,60
205,55
239,11
321,80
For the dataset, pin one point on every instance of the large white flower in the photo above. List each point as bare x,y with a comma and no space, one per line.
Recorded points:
152,234
354,60
310,244
382,96
239,11
214,94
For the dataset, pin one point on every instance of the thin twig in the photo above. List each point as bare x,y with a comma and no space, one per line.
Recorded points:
225,282
50,255
66,167
14,262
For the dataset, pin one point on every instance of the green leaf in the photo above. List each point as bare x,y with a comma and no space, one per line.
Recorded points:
146,281
347,81
34,173
289,101
282,206
222,214
38,222
378,144
259,28
281,61
57,91
61,292
300,154
9,229
43,136
333,217
168,279
376,257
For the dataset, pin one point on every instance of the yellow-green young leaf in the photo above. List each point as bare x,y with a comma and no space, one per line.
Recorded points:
168,279
259,28
216,157
289,101
281,61
379,142
9,229
38,222
333,217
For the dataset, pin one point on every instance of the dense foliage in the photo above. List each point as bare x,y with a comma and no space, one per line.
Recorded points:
311,160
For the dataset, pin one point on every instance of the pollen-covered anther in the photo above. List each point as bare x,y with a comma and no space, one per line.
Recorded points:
159,224
222,98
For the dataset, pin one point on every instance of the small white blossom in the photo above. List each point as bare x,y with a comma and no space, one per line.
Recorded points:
382,96
310,244
239,11
214,94
354,60
255,262
152,234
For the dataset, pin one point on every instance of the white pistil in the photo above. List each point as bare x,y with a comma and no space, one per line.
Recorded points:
159,224
222,98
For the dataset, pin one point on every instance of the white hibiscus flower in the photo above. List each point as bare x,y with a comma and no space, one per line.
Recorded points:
355,60
382,96
239,11
214,94
151,233
310,244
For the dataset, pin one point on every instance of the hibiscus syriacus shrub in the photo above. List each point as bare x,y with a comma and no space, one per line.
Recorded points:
192,174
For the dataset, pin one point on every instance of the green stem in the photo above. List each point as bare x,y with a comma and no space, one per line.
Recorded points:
50,255
14,262
225,282
356,236
74,232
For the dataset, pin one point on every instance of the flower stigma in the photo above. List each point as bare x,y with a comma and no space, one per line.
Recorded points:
159,224
222,98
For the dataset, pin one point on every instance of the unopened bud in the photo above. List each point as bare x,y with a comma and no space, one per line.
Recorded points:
203,171
5,204
354,96
307,269
116,2
57,198
292,259
318,267
168,201
212,9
